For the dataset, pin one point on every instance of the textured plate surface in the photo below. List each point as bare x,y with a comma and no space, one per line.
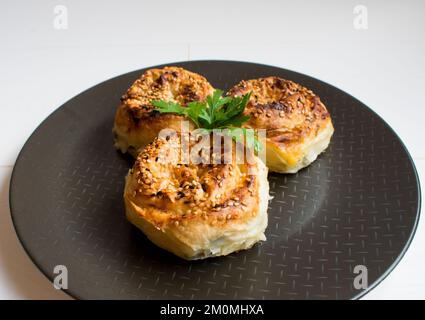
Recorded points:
358,204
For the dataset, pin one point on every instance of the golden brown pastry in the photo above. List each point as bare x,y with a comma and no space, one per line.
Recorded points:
136,122
196,210
298,125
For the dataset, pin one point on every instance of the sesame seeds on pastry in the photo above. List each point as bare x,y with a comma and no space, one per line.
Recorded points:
136,121
298,125
196,210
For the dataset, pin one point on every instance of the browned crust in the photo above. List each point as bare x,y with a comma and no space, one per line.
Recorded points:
136,116
175,193
290,112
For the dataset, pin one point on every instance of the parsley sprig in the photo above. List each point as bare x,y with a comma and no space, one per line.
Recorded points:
217,112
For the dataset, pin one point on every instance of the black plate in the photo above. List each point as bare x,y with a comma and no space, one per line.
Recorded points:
358,204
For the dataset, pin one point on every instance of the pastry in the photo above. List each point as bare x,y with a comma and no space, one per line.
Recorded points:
136,121
197,210
298,125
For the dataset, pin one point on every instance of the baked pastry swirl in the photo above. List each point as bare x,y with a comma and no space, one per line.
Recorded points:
196,210
298,124
136,121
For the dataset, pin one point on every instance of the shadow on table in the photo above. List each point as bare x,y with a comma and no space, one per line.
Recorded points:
19,274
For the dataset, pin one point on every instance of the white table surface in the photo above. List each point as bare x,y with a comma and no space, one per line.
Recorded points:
42,67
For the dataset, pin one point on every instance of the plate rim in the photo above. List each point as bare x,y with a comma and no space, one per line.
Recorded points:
361,294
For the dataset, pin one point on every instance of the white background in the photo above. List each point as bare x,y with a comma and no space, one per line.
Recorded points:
42,67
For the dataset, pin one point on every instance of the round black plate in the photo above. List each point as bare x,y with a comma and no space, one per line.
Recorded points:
358,204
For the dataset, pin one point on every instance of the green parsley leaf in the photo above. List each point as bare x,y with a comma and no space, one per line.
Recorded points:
216,112
168,107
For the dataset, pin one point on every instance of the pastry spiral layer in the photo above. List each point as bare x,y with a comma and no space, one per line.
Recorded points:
298,125
136,121
196,210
